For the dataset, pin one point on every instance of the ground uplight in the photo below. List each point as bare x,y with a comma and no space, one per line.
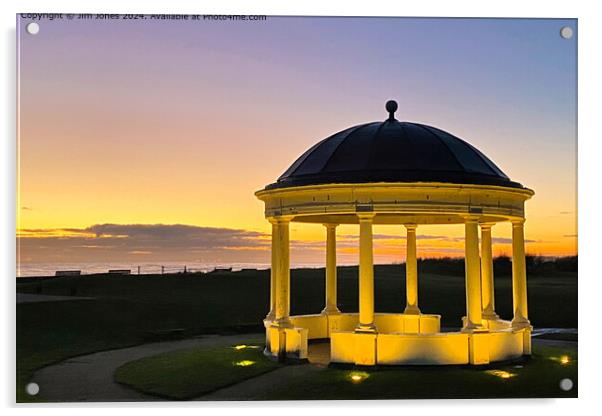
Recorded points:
244,363
501,374
358,376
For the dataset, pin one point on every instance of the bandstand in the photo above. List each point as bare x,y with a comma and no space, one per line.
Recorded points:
403,174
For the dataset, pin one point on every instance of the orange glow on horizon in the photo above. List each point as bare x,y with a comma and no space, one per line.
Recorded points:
100,144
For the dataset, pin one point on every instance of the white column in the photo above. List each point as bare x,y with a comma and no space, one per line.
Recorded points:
273,271
487,284
366,278
331,270
411,272
283,274
473,274
519,275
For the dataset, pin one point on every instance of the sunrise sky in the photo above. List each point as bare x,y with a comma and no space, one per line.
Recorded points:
145,140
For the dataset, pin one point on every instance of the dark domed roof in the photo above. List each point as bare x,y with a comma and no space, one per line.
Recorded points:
392,151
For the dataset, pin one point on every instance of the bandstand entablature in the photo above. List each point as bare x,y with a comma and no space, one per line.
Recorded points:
419,203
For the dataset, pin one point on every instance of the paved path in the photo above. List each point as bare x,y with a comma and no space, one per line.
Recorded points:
256,386
90,377
554,343
319,357
32,297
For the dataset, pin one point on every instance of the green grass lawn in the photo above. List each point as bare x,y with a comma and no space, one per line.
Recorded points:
190,373
539,377
129,310
186,374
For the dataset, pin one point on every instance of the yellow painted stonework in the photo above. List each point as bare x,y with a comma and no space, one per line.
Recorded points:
370,338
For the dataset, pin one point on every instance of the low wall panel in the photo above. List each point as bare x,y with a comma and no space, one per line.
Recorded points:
316,325
342,347
448,348
343,322
505,345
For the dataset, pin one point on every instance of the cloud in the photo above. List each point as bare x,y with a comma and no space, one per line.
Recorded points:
443,238
400,237
179,235
122,241
503,240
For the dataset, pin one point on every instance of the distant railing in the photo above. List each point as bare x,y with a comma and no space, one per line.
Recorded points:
122,272
149,269
145,269
63,273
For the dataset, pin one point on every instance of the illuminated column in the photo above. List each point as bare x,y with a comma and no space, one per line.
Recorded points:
331,269
411,272
283,274
487,285
473,274
273,271
366,278
519,275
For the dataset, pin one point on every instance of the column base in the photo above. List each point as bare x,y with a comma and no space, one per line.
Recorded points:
520,323
282,323
411,310
490,315
365,328
270,316
330,310
474,329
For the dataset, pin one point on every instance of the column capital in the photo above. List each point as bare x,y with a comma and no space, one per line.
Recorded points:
486,225
411,227
330,226
284,219
365,216
518,222
470,218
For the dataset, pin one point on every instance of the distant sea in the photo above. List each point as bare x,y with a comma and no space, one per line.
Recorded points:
49,269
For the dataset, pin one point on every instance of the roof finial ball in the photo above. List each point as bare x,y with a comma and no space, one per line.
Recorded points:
391,107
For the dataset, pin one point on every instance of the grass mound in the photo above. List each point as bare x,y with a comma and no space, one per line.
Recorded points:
186,374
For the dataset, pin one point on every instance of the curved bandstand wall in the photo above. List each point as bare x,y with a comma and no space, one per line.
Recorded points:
401,339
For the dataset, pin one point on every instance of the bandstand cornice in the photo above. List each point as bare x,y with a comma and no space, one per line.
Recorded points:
443,202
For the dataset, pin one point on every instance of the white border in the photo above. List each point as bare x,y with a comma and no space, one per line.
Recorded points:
589,159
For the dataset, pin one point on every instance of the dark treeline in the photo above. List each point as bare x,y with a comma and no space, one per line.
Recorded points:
502,266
